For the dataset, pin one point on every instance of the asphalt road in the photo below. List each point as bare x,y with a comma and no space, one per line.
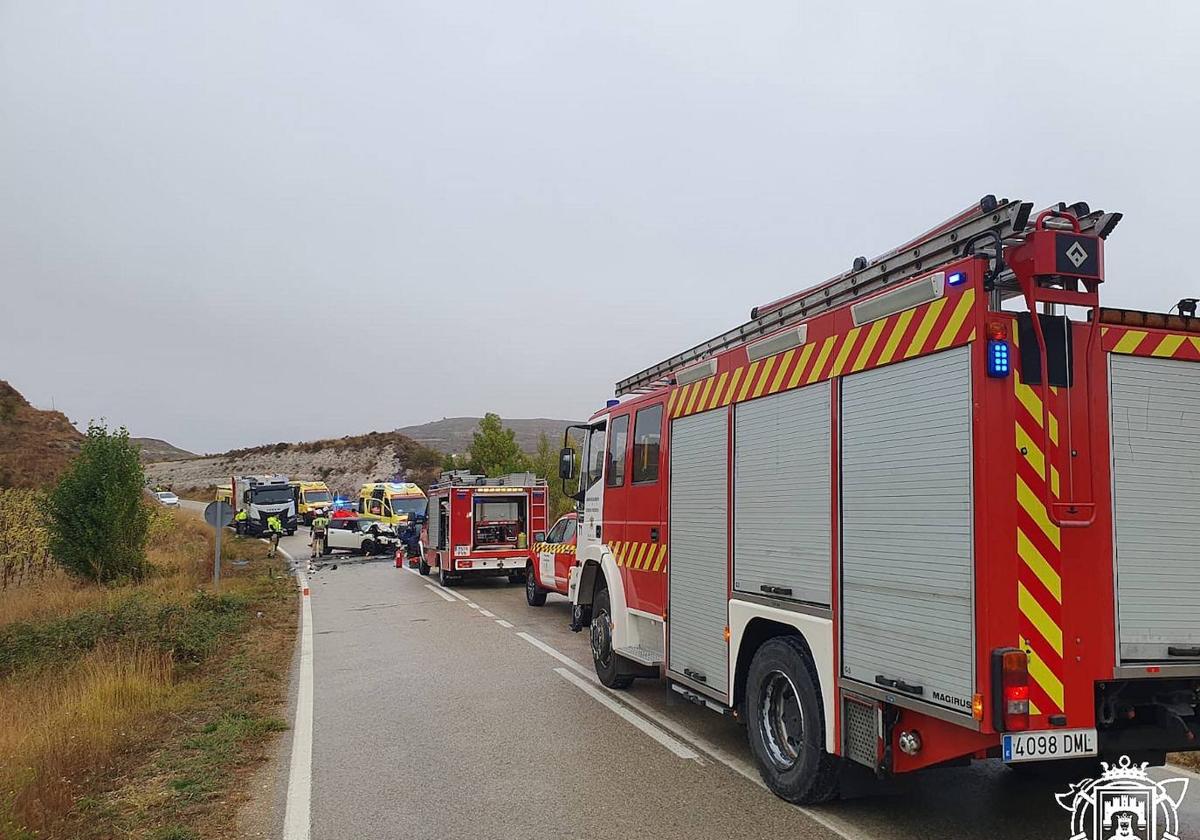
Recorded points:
466,713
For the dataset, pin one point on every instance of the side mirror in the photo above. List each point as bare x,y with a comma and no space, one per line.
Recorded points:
539,536
566,463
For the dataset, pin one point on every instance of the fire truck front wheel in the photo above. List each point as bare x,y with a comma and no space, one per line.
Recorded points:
609,664
422,566
784,723
534,595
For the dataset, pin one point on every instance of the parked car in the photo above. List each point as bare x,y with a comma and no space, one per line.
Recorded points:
166,498
360,536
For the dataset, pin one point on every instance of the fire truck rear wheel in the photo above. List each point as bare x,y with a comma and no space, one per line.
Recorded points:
422,566
609,663
444,578
534,596
785,725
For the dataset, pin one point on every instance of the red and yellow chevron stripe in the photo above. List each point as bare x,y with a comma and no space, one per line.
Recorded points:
1039,550
640,556
554,548
1163,345
935,326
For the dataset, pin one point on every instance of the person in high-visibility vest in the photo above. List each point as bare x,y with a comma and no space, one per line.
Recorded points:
239,520
319,526
276,529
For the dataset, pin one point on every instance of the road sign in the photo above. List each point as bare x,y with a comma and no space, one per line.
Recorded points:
218,514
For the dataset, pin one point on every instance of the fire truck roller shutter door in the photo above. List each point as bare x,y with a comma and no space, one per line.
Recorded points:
1156,502
699,528
781,501
907,560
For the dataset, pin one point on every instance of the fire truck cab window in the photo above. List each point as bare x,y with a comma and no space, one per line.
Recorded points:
647,435
556,533
568,533
595,456
617,441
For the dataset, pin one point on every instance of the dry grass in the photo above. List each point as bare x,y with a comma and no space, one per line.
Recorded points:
99,706
74,725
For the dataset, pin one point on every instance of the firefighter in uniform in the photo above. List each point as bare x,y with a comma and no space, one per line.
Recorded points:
276,529
319,526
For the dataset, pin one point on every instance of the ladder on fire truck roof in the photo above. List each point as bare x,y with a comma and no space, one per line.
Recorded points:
990,221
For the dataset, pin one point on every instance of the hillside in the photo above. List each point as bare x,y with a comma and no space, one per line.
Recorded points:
453,434
154,450
35,445
345,464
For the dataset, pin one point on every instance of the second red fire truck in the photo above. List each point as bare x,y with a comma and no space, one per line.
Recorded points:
940,507
478,526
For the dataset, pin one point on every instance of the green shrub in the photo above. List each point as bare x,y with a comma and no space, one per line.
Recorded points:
98,516
190,632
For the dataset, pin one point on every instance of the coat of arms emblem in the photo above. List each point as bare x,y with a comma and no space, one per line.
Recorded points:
1124,804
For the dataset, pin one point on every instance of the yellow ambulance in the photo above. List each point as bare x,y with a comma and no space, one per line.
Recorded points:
394,502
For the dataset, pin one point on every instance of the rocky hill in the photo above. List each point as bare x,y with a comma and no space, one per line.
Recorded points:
453,434
154,450
35,445
345,464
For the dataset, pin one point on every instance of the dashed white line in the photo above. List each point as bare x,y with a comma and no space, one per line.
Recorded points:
504,624
735,763
298,812
680,749
437,590
452,592
482,611
472,605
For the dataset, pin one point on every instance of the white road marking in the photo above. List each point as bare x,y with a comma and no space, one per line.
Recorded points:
472,605
504,624
680,749
452,592
437,590
734,762
485,612
297,816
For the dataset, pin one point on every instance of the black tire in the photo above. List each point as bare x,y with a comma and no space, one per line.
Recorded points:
423,567
516,577
534,595
785,724
609,664
368,548
444,577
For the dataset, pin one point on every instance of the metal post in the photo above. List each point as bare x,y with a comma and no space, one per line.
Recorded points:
217,560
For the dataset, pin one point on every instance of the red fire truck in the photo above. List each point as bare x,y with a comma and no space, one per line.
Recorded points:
940,507
479,526
553,557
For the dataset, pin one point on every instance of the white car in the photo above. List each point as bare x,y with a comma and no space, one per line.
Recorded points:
360,536
166,499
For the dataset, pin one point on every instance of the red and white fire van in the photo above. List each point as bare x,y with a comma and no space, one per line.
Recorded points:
553,557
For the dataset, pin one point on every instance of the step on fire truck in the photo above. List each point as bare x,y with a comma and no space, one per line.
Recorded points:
478,526
940,507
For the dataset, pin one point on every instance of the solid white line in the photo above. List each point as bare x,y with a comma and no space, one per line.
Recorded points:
681,750
411,569
734,762
504,623
437,590
297,817
482,611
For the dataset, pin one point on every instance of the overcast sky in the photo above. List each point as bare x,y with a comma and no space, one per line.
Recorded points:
228,223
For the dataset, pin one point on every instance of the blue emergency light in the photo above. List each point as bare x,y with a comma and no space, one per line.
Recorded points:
998,362
956,279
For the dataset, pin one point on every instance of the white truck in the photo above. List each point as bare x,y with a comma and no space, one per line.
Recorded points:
261,497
